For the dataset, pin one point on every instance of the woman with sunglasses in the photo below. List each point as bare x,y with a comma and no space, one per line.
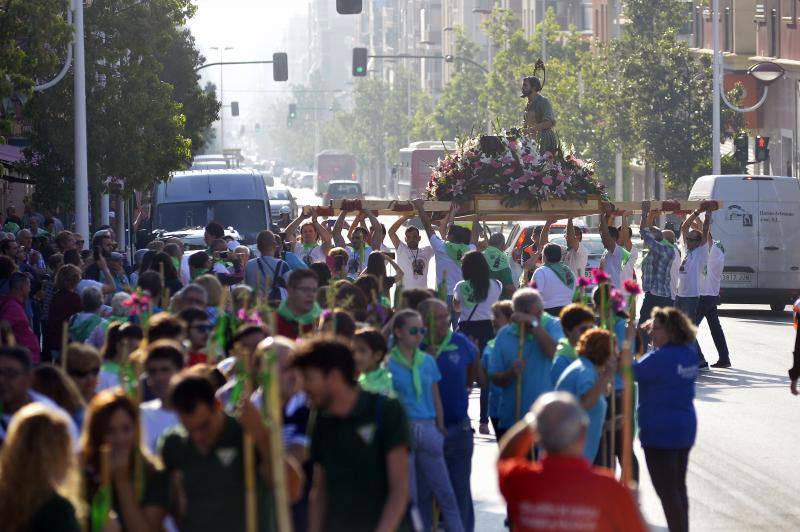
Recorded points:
414,377
83,366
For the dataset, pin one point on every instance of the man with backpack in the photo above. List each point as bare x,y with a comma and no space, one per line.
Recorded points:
267,274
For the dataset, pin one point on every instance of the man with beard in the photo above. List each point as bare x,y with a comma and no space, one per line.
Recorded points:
539,119
410,255
353,430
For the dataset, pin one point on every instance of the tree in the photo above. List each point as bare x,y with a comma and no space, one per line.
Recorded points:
33,41
135,125
180,60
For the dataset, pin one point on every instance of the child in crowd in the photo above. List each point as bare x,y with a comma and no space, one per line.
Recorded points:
369,350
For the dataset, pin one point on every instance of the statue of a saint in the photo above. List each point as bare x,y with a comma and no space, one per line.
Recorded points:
539,119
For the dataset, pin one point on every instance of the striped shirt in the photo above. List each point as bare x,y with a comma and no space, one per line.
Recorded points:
656,276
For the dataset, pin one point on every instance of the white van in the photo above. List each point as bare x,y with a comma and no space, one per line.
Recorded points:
234,198
759,227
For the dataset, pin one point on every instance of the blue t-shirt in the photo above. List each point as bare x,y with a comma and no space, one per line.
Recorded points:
620,330
416,407
494,390
535,377
453,366
565,355
666,378
578,379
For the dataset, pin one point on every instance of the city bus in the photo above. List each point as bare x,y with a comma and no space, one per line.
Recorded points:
332,165
416,164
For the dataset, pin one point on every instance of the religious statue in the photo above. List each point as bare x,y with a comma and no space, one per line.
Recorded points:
538,120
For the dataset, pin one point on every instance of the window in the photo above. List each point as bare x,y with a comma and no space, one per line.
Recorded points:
789,11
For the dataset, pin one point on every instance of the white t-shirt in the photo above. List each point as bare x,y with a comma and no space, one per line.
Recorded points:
156,420
446,265
577,259
674,271
313,256
484,308
713,271
690,271
414,264
629,268
88,283
357,261
554,293
612,265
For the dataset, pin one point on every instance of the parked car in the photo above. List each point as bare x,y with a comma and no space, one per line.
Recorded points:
343,190
305,180
281,197
593,244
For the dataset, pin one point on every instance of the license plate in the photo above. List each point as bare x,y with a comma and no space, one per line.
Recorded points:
736,277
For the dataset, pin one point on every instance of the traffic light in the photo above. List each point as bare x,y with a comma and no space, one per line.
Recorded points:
292,113
280,66
762,149
359,62
348,7
234,108
742,145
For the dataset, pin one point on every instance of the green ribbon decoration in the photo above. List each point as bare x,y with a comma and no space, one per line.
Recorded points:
496,258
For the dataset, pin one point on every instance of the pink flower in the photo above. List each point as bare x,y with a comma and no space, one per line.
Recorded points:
476,165
548,155
600,276
632,287
617,300
513,145
508,171
583,282
515,186
528,158
496,163
547,180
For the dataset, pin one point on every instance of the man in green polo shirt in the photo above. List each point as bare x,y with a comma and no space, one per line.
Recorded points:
205,461
359,446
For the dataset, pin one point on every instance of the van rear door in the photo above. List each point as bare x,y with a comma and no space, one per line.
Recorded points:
779,233
736,227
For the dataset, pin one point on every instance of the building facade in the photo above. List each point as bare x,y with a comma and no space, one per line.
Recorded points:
752,32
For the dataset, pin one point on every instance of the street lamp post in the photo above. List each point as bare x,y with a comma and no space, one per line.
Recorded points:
716,165
81,156
221,95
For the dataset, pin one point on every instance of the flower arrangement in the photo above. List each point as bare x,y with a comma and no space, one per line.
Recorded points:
510,165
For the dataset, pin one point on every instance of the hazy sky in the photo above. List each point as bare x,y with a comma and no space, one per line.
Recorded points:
253,27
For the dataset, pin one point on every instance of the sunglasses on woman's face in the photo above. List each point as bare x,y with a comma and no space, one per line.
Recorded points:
94,372
417,330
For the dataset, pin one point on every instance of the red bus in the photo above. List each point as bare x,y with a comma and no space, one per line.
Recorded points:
416,165
332,165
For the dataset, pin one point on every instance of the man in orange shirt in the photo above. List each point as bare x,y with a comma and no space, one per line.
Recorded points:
563,491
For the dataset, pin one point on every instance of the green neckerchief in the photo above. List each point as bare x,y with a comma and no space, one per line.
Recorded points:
544,321
719,245
626,255
419,359
362,256
309,247
176,263
563,272
80,331
112,367
378,381
197,272
496,258
304,319
566,349
456,251
446,345
467,293
384,301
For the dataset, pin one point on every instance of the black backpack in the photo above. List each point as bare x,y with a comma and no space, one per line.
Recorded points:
274,295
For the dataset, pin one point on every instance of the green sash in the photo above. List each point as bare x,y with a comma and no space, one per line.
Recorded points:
419,359
626,255
446,345
303,319
563,272
496,258
456,251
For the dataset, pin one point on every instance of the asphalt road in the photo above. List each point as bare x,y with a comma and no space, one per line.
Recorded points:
743,470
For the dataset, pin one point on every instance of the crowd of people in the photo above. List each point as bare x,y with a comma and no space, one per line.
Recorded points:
131,389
